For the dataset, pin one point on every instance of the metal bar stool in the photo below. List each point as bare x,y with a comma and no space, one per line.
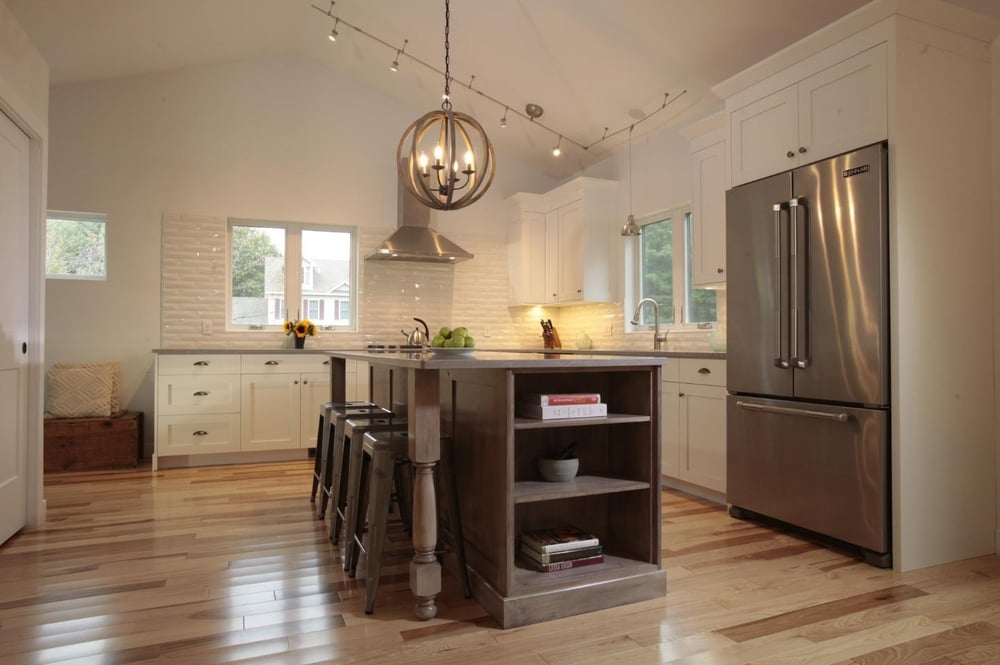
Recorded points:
332,431
354,429
382,454
325,409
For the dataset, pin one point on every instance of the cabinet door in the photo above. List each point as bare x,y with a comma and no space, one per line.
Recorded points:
702,429
570,254
527,281
708,207
764,132
843,107
271,411
670,448
551,257
315,389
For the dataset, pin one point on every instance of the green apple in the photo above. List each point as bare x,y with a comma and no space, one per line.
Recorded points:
460,331
445,332
438,341
470,343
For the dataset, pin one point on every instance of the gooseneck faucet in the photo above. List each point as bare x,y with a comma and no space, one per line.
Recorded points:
658,337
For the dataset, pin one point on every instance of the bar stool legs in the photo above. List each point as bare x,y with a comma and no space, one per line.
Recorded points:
322,438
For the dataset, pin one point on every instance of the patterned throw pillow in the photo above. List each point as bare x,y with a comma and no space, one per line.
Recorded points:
82,390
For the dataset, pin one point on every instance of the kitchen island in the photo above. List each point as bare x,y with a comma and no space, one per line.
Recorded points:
472,397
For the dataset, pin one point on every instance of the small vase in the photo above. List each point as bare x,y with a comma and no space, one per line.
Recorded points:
300,342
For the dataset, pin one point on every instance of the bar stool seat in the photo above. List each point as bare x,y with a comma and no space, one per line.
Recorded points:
346,439
381,455
329,445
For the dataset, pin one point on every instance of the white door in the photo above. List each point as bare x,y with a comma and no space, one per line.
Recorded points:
14,146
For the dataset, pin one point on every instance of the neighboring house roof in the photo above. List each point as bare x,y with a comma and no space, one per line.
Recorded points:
329,276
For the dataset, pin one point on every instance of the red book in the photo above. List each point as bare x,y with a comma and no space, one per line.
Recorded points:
560,399
564,565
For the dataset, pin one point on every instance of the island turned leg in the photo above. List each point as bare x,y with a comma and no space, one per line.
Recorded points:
424,416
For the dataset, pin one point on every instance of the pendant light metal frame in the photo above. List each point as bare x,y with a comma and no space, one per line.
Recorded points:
440,184
630,228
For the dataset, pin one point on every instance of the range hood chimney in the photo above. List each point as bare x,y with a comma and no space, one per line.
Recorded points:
414,239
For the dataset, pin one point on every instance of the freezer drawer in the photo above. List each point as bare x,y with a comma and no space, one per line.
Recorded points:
820,467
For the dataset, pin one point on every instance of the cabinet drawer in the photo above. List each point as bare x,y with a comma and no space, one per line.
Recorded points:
671,370
203,433
709,372
285,363
198,394
197,364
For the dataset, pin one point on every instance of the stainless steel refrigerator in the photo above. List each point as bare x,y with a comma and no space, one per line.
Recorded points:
808,350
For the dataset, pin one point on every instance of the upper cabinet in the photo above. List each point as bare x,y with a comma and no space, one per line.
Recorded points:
709,182
560,244
835,110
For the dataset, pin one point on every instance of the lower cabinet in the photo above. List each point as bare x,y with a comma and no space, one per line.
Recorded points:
233,403
693,437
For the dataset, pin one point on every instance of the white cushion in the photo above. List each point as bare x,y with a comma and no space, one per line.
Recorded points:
82,390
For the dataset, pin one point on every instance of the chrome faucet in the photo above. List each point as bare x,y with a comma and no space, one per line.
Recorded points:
658,337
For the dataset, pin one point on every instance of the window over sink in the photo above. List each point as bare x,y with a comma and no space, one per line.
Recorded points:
659,267
263,293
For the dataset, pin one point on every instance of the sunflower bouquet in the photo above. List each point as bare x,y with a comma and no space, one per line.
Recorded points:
302,328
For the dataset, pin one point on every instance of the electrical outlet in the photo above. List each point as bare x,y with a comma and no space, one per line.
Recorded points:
486,331
611,329
206,326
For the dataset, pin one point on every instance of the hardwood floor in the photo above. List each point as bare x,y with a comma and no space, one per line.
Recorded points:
229,565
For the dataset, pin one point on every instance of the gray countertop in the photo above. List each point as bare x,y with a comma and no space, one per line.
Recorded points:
462,359
584,352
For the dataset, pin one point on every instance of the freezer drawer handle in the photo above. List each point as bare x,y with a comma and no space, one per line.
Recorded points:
785,411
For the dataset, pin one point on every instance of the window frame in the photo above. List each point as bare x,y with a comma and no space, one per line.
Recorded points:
680,272
293,256
72,216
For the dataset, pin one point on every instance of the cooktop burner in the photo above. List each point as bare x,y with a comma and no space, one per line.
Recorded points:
383,348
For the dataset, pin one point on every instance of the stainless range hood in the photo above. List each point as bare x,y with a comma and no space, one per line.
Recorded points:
414,239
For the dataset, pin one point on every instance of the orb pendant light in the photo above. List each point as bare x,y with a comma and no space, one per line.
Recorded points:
445,158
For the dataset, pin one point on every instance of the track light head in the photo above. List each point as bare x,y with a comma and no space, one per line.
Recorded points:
556,151
333,33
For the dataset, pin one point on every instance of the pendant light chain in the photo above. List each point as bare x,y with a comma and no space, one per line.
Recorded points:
446,104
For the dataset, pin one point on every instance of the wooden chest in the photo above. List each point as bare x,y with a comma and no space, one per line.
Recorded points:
80,444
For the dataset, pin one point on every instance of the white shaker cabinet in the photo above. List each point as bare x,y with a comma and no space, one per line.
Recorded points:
561,244
197,404
279,404
693,403
832,111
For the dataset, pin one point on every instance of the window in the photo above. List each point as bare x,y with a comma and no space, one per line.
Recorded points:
261,294
76,245
661,266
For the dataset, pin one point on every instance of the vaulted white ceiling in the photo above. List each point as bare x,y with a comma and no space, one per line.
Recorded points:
591,64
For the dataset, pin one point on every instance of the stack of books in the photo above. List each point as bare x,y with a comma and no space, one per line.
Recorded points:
550,406
560,548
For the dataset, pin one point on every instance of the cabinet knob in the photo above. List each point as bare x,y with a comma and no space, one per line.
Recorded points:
200,432
680,394
296,382
802,150
789,154
200,393
719,270
305,382
271,362
553,295
326,362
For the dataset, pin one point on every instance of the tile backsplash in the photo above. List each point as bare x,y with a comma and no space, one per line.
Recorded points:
472,293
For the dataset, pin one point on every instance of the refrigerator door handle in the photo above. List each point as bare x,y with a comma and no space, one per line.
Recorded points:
786,411
780,326
799,282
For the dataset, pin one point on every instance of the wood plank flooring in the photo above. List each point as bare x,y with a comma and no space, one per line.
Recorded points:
230,565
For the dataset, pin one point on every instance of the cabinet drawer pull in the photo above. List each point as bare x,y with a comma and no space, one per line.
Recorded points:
200,393
271,362
200,432
201,363
704,370
326,362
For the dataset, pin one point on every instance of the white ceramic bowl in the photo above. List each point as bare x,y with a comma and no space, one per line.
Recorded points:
558,470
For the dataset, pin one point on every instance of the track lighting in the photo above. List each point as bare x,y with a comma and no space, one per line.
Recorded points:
395,62
532,112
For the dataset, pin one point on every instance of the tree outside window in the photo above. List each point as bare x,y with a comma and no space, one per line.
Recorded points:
76,246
